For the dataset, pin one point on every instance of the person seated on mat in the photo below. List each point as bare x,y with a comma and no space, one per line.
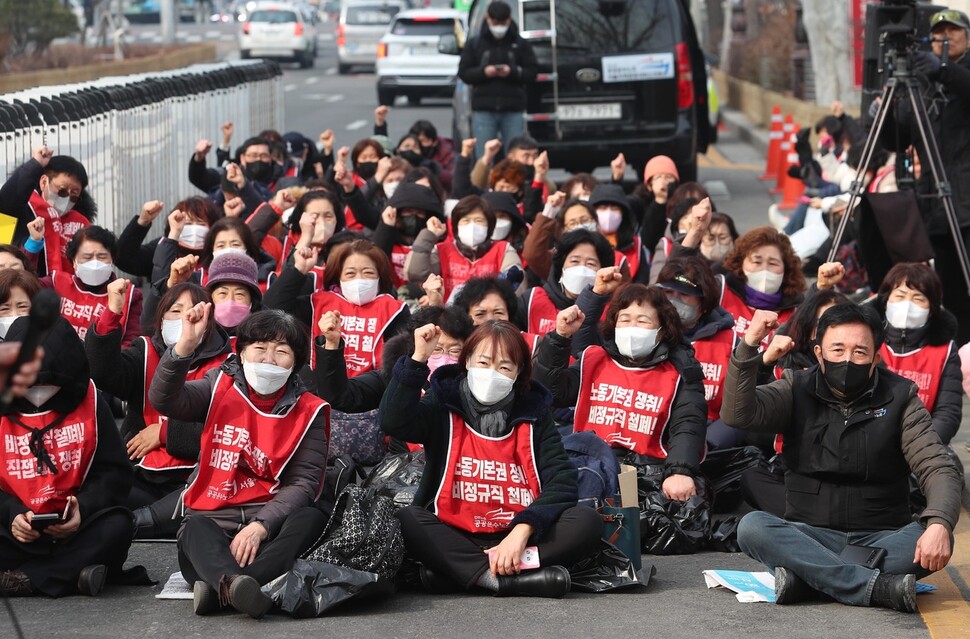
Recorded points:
249,511
853,434
497,478
62,459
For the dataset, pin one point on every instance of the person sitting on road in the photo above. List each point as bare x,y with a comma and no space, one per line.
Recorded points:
485,411
615,221
853,434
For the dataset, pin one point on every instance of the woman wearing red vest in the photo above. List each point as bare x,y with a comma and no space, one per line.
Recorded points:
615,221
62,457
84,295
761,272
164,453
17,288
919,342
497,479
472,252
264,449
641,391
490,298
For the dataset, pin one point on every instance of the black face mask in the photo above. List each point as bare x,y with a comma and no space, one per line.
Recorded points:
259,171
412,157
847,378
366,170
427,151
411,225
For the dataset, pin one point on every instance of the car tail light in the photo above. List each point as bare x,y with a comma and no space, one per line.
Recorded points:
341,38
298,29
382,50
685,78
246,28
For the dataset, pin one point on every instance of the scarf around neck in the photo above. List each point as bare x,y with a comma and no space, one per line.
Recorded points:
490,421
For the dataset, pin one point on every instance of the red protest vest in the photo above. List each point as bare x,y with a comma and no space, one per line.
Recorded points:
399,255
80,307
160,459
532,340
626,407
743,314
362,328
713,354
633,255
456,268
924,367
245,451
71,446
541,312
487,480
58,231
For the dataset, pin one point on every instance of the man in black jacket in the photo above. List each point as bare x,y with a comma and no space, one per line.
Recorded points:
498,64
853,434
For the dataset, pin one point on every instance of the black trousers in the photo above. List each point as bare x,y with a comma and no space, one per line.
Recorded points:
764,490
204,548
955,296
457,554
54,566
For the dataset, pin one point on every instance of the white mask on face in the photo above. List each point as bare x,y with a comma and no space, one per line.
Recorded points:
906,315
60,204
588,226
489,386
5,323
472,235
94,272
764,281
609,220
265,379
635,342
718,252
231,249
498,30
360,291
502,229
39,394
576,278
389,188
193,236
171,331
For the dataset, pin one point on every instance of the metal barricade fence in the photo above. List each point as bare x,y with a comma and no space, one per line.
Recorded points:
135,134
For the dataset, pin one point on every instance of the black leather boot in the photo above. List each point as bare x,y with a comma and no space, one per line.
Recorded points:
790,588
436,584
897,592
552,582
15,583
91,580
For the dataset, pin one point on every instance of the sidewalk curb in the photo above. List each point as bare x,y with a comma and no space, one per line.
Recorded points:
738,123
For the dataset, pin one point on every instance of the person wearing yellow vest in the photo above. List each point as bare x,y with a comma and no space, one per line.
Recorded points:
164,452
471,253
249,511
641,391
497,478
62,456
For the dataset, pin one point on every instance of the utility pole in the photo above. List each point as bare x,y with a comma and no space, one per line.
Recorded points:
167,19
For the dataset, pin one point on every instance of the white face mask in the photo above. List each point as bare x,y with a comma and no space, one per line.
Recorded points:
231,249
576,278
328,230
39,394
5,323
94,272
588,226
502,229
265,379
472,235
635,342
489,386
193,236
906,315
717,253
171,331
498,30
60,204
609,220
687,313
389,188
360,291
764,281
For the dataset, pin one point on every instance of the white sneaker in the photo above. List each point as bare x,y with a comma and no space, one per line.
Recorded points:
778,219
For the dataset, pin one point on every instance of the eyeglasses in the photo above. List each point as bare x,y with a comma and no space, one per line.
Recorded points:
454,351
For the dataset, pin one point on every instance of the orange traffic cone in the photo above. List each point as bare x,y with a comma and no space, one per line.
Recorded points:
784,148
774,140
792,187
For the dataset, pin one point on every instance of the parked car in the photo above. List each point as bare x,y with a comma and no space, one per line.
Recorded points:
150,11
362,24
614,76
279,31
408,61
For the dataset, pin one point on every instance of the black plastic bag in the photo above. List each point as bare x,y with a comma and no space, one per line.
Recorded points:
723,468
670,527
608,569
311,588
397,477
724,535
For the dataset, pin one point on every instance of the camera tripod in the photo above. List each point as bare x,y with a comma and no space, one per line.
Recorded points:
903,81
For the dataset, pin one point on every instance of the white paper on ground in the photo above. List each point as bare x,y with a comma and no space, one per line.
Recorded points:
175,588
750,587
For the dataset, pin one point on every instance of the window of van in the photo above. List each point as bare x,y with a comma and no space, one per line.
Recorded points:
423,27
273,16
371,15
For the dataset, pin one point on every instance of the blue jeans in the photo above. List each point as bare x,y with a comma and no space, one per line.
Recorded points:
812,553
488,125
797,219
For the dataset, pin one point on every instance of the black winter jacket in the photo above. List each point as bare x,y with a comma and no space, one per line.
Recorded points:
498,94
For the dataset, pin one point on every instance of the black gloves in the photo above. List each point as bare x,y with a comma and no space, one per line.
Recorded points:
927,65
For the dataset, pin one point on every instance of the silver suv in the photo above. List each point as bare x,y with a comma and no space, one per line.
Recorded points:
362,24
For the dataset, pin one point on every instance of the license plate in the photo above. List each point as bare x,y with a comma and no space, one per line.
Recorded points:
609,111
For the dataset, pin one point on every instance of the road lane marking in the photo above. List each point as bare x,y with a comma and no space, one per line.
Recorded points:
946,610
289,87
213,34
356,124
325,37
313,79
330,71
336,97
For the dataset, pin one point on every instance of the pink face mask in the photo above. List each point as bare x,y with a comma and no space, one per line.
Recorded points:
230,314
441,359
